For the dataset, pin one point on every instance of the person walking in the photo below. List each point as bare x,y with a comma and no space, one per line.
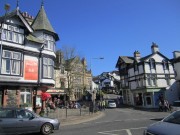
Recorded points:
103,104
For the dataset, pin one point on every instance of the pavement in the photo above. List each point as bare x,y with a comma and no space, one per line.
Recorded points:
71,120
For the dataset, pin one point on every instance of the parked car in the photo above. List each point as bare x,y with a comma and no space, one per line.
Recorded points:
20,121
176,105
168,126
111,104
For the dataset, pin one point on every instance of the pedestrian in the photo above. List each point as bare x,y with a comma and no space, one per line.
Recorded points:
160,106
166,106
103,104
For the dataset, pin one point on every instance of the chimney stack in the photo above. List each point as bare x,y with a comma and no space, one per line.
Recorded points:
176,54
154,48
137,55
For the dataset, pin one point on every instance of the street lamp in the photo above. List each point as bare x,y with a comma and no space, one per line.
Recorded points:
93,92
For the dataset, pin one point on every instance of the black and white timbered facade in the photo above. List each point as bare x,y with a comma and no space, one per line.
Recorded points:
27,54
145,79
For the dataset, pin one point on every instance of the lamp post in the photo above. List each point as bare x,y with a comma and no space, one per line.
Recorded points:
93,92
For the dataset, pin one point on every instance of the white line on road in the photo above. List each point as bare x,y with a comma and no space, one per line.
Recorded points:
127,130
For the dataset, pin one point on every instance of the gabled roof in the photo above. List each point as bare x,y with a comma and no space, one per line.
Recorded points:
149,56
17,12
127,59
41,22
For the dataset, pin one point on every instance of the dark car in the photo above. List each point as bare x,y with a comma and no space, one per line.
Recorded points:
19,121
168,126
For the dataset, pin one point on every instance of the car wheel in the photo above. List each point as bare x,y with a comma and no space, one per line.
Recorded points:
46,129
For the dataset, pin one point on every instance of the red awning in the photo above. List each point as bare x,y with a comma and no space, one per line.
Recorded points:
45,96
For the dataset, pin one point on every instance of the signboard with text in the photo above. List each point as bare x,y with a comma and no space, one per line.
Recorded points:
31,70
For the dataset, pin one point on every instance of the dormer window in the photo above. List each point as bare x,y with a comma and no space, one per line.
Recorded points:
152,64
12,34
49,42
165,65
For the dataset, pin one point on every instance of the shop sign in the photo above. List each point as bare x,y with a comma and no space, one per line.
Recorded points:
55,91
31,70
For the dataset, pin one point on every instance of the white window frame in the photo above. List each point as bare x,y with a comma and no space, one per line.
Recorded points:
48,68
25,93
12,34
49,42
14,63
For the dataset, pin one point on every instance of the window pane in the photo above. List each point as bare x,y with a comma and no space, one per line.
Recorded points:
15,37
45,71
3,35
15,67
45,61
16,56
5,66
22,99
28,98
20,38
10,35
6,54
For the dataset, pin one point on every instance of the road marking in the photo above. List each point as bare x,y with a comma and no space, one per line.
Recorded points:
127,130
119,120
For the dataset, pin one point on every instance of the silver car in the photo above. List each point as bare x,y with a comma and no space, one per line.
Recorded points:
20,121
168,126
111,104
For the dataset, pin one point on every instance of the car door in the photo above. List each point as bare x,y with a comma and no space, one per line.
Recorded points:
28,122
8,121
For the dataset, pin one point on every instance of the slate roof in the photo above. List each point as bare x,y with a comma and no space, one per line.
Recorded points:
127,59
32,38
41,22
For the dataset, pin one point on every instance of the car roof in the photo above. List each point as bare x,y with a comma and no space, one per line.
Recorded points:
177,101
13,108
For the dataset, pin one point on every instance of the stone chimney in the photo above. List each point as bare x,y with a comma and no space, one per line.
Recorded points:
137,55
154,48
176,54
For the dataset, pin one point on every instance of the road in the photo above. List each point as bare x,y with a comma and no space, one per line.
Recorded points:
119,121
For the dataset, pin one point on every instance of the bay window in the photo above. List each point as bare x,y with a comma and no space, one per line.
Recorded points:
48,68
11,62
49,42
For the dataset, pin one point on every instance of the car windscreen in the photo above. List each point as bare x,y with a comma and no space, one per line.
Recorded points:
173,118
177,104
111,101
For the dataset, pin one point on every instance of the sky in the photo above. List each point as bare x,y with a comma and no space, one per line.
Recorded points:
110,28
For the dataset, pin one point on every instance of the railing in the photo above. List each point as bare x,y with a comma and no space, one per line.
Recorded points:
64,113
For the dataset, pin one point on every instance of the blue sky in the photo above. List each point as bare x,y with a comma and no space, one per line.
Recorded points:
110,28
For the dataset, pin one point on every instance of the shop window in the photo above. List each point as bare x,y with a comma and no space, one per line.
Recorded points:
148,100
26,97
